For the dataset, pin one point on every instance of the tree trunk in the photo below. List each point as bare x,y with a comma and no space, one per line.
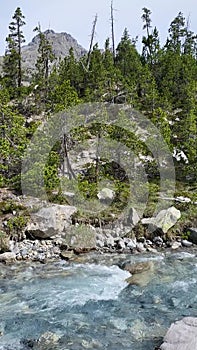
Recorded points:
71,173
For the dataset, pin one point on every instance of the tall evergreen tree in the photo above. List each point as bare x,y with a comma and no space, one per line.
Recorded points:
110,72
150,41
128,63
177,32
69,70
190,43
147,40
12,69
44,59
95,76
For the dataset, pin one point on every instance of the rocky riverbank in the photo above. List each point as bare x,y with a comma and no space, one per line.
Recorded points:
39,231
47,250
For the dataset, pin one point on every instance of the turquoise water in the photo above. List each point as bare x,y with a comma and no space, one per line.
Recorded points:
91,306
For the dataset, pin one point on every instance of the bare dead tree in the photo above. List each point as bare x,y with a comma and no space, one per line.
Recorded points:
188,23
98,156
92,40
66,161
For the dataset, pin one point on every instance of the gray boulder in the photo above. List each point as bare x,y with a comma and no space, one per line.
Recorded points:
182,335
7,257
192,235
142,273
164,220
50,221
138,267
140,279
81,237
132,218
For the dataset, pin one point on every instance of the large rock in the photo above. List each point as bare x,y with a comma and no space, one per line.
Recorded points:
140,279
132,218
192,235
137,267
50,221
81,237
7,257
142,273
164,220
182,335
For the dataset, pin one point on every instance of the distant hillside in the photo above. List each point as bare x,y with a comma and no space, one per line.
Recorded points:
61,43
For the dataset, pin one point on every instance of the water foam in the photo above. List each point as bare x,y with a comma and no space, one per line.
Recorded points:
90,282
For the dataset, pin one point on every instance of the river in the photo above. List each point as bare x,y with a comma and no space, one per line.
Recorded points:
89,305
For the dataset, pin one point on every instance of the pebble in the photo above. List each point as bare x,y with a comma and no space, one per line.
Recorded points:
140,247
186,243
176,245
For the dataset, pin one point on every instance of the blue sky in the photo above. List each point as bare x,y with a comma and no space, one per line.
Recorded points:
76,17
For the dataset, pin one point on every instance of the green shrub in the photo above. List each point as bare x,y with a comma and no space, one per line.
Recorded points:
16,225
8,206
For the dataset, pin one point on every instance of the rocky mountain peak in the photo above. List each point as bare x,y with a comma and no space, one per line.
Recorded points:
61,44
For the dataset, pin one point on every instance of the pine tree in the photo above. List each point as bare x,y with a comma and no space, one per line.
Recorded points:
177,32
190,43
128,63
147,40
12,69
95,76
44,59
109,72
69,70
151,43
